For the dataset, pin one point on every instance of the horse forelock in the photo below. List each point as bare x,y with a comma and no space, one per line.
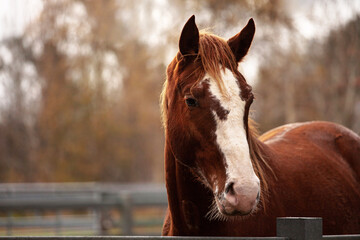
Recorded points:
216,55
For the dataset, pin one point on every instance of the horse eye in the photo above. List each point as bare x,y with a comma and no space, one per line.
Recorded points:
191,102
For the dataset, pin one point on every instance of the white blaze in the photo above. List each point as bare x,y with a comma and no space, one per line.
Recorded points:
230,132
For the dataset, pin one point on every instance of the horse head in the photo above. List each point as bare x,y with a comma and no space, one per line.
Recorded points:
206,102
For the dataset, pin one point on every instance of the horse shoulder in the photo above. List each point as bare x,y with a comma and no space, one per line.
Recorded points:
331,137
320,133
319,162
302,147
348,144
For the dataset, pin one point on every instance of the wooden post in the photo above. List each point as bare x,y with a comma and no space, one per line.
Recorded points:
299,228
58,222
127,223
9,224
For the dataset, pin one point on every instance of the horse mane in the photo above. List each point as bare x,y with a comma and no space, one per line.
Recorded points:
215,55
258,158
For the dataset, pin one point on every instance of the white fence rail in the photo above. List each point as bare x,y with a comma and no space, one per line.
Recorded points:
27,206
54,206
287,229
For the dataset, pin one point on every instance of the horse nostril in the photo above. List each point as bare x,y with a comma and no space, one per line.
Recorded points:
258,197
229,188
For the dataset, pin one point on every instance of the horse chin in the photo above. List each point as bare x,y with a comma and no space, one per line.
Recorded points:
233,213
230,212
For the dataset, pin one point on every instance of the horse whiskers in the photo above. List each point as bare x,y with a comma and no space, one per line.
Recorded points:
214,214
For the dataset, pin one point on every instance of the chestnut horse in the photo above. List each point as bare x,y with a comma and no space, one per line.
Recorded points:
223,180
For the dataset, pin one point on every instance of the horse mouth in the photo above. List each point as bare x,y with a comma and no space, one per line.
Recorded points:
228,210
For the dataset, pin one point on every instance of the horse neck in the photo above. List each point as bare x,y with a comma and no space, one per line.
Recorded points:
188,199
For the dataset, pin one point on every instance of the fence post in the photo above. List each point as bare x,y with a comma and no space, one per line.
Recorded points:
58,222
299,228
127,220
9,223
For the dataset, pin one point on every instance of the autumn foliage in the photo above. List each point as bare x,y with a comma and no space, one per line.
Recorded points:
80,87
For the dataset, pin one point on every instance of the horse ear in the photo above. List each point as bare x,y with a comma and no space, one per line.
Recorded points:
240,43
189,39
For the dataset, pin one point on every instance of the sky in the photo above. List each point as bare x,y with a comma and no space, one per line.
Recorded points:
310,17
316,18
16,14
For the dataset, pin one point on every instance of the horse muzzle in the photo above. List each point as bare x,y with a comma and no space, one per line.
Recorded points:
239,198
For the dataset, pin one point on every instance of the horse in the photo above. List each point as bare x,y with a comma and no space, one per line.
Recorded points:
222,179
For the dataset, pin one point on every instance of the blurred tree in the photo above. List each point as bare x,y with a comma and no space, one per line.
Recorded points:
81,86
77,128
322,83
97,117
17,113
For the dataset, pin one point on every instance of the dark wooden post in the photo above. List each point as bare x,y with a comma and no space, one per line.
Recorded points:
299,228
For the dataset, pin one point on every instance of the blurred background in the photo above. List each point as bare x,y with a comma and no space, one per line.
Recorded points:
80,82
